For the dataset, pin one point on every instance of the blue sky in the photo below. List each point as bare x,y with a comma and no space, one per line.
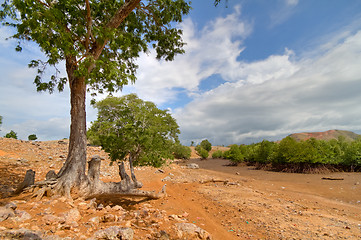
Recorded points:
252,70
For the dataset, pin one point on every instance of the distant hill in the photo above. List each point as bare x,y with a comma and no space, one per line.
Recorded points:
328,135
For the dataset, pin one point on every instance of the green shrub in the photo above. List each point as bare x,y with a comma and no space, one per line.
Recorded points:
11,134
205,144
32,137
181,152
234,154
202,152
217,154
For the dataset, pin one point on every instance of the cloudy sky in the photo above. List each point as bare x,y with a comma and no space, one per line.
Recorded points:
252,70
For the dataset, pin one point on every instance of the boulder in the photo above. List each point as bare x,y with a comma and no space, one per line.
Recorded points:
192,166
20,234
114,233
191,231
6,213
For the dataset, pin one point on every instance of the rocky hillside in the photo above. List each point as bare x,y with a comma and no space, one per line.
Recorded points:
328,135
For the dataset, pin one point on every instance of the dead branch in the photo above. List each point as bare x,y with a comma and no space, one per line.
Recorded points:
225,182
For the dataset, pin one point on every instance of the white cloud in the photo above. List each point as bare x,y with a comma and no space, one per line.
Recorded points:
278,96
282,12
212,50
291,2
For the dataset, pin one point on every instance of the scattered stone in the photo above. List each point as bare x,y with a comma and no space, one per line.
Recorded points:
159,171
192,166
11,205
53,220
191,231
21,216
167,178
113,233
72,216
20,234
6,213
118,208
175,217
162,235
108,218
94,221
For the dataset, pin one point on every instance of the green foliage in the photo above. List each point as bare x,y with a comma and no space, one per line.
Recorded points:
1,120
217,154
352,156
205,144
309,152
202,152
11,134
131,125
264,151
32,137
104,44
181,152
234,154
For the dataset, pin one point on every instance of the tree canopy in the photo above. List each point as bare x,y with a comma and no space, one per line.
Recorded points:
11,134
32,137
103,42
129,125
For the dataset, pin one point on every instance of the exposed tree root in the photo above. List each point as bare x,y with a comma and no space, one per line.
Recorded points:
91,186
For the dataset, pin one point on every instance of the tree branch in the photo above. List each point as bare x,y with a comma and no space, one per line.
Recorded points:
89,23
114,23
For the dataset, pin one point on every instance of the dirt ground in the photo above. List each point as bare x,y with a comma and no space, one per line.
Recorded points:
228,202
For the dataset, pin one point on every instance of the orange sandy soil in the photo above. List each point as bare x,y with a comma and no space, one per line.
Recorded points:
241,203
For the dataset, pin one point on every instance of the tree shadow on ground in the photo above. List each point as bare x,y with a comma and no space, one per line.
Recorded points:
128,203
10,176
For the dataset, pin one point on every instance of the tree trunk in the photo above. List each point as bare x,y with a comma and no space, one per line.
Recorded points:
72,174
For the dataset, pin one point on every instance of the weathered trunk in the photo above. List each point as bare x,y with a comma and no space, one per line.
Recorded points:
29,180
72,174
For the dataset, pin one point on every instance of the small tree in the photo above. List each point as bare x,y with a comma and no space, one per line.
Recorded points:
217,154
234,154
32,137
11,134
181,152
205,144
133,128
201,152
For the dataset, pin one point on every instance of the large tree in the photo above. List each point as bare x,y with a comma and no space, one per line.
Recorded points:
99,42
